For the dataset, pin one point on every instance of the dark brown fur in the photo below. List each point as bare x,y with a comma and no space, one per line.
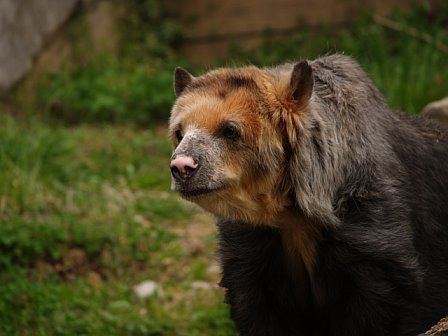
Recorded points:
333,209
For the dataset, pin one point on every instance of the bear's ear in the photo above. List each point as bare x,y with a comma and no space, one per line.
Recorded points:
301,84
182,78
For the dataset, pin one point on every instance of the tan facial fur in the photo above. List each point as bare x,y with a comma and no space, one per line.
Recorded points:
253,166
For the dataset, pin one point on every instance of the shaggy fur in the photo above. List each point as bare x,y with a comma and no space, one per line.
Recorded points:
333,209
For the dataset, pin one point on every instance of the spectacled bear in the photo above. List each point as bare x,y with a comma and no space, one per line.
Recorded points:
332,208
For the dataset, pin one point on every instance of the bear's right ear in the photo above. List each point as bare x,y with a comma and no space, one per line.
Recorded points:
182,78
302,82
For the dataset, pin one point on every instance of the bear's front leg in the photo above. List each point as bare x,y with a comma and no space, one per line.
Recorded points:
262,298
364,293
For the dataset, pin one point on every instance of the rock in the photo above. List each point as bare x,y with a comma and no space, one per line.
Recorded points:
214,269
440,329
437,111
24,26
146,289
203,285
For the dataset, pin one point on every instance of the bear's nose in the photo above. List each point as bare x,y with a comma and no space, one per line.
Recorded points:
183,167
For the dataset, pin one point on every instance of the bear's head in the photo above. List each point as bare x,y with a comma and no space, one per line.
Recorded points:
233,132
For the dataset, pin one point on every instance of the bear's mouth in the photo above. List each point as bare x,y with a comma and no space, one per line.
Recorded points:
199,192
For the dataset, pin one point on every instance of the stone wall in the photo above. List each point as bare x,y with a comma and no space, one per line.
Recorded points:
25,25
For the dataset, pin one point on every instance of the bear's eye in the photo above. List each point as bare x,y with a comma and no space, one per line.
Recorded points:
230,131
179,135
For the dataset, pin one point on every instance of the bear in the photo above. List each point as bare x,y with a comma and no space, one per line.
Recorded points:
332,208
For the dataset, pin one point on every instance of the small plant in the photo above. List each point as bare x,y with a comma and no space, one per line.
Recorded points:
150,30
109,91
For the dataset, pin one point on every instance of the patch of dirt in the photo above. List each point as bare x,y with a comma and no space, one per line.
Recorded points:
194,236
75,262
94,279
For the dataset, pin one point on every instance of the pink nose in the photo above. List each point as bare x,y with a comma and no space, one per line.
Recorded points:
183,167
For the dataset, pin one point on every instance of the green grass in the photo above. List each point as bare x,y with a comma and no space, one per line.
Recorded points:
85,214
109,91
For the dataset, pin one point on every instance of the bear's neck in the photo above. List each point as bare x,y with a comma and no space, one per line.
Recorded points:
299,238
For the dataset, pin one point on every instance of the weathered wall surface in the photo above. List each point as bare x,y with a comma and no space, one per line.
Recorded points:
32,36
213,24
91,30
24,27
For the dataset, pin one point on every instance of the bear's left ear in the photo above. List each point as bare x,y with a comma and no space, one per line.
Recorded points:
302,82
